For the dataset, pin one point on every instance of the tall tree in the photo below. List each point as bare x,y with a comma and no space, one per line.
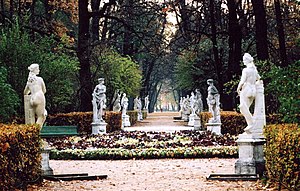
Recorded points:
261,29
280,31
83,53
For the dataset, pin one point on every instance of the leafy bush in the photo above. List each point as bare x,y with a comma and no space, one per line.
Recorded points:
9,98
282,89
20,156
282,154
120,73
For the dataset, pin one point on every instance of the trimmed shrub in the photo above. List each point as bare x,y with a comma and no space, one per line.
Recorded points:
132,117
234,122
20,156
282,154
148,153
144,114
84,120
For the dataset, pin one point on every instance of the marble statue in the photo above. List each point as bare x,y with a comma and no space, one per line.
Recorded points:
99,101
139,108
135,103
117,100
124,104
146,106
247,89
198,106
35,90
192,100
213,102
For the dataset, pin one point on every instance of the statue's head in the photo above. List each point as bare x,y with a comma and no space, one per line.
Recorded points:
34,68
210,81
247,58
101,80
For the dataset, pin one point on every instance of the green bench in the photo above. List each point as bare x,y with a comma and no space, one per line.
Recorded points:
58,131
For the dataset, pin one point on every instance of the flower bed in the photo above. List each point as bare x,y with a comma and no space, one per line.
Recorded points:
142,145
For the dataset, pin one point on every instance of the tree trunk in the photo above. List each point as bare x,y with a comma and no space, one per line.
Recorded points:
281,36
83,53
261,29
128,44
95,20
235,51
2,18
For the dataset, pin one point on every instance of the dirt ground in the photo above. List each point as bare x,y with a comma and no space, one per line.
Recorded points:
150,175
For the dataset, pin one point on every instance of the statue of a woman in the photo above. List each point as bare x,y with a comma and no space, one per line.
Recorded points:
213,101
124,104
35,87
247,89
99,101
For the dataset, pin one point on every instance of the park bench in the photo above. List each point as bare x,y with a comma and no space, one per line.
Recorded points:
58,131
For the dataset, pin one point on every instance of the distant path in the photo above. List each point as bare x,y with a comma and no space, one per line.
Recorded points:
160,121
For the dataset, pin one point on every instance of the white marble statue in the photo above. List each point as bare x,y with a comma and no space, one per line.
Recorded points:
198,106
124,104
213,102
181,104
146,106
99,101
247,89
192,102
135,103
36,89
117,100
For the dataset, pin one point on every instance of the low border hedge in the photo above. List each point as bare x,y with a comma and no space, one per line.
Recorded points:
150,153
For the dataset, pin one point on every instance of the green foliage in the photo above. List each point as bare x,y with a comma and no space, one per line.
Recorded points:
282,154
120,73
58,69
20,156
148,153
284,85
9,98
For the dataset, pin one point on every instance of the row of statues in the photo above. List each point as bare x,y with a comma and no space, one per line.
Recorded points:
250,88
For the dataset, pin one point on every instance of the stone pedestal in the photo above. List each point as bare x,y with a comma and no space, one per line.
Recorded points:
197,123
46,169
185,116
98,128
140,116
126,121
191,120
214,128
251,156
29,115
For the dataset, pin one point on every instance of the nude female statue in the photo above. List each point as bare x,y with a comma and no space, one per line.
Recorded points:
247,89
35,87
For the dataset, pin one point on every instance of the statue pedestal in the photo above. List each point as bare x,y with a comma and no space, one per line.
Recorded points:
251,156
197,123
191,120
140,116
125,121
214,128
46,169
98,128
185,116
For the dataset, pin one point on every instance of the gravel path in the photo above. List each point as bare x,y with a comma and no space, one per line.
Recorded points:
150,175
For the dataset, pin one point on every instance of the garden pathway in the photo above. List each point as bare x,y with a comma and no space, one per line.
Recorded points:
160,121
150,175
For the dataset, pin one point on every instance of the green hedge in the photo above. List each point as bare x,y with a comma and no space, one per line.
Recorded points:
84,120
149,153
132,116
282,154
20,156
234,122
